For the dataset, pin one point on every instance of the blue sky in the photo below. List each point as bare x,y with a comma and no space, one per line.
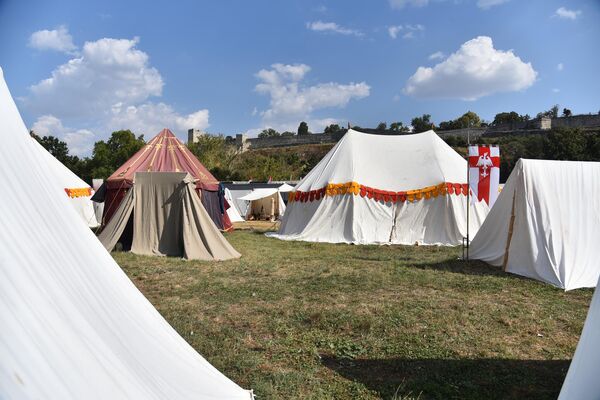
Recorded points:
81,69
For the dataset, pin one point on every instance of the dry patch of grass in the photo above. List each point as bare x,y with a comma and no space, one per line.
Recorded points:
319,321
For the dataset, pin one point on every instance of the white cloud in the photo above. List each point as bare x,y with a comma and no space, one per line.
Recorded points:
565,13
408,35
80,141
438,55
291,101
399,4
394,30
107,87
555,90
108,71
320,26
560,67
475,70
487,4
57,39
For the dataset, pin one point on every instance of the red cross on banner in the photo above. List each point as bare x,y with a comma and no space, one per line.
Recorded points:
484,172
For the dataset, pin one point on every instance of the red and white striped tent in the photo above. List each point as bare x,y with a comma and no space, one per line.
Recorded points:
397,189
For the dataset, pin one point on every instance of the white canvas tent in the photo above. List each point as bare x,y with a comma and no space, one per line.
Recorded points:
232,211
73,187
73,326
264,204
285,188
398,189
582,379
545,224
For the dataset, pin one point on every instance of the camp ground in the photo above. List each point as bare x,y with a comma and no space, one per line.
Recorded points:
315,200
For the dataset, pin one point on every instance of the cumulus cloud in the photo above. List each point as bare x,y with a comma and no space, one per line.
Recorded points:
438,55
565,13
410,30
57,39
291,101
560,67
108,86
394,30
320,26
399,4
80,141
487,4
477,69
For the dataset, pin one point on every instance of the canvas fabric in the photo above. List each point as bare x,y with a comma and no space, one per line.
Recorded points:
168,220
388,162
72,325
555,228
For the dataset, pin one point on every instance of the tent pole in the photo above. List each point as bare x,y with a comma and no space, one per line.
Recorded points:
468,189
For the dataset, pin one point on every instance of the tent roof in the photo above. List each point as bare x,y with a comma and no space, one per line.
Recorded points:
388,162
163,153
64,176
285,188
73,325
258,194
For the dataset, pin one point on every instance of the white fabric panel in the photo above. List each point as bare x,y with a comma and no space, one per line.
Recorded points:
557,223
66,179
232,211
388,162
98,207
284,188
582,379
257,194
72,325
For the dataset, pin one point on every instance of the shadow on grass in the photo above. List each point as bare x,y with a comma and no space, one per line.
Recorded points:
472,267
455,379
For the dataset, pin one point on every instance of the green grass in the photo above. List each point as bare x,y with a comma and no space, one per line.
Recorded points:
298,320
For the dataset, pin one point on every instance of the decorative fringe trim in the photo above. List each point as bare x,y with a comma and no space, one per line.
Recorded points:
335,189
78,192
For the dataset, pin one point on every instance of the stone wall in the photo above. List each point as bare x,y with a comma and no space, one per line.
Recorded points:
246,143
577,121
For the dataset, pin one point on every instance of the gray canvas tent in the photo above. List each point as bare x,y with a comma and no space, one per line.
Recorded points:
162,215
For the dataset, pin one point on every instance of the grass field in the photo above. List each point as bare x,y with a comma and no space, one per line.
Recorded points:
298,320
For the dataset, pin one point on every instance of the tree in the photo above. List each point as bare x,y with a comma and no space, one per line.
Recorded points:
333,128
469,120
288,134
551,113
110,155
566,112
270,132
399,127
216,154
422,124
509,117
382,126
303,128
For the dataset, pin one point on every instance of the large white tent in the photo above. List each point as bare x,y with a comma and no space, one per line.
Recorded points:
72,325
75,188
399,189
582,379
545,224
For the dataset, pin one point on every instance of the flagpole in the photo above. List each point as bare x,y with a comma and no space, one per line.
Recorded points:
468,188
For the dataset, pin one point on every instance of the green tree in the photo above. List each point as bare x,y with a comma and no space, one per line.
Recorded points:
422,124
216,154
287,134
110,155
509,117
382,126
303,128
565,144
398,127
552,112
566,112
270,132
469,120
333,128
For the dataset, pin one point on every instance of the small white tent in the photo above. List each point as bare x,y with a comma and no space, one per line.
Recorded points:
72,325
232,211
545,224
582,379
75,188
285,188
399,189
264,204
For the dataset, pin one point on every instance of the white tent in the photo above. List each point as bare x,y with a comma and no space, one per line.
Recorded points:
284,188
582,379
75,188
232,211
72,325
399,189
264,204
545,224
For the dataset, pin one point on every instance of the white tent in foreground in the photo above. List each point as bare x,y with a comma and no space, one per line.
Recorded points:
582,379
75,188
72,325
264,204
397,189
545,224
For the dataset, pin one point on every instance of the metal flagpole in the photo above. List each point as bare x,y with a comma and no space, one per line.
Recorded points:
468,188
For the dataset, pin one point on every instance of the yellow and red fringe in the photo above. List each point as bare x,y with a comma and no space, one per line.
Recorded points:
334,189
78,192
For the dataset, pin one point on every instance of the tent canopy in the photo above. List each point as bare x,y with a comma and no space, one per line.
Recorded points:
258,194
168,220
73,186
73,326
545,224
285,188
264,204
402,189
